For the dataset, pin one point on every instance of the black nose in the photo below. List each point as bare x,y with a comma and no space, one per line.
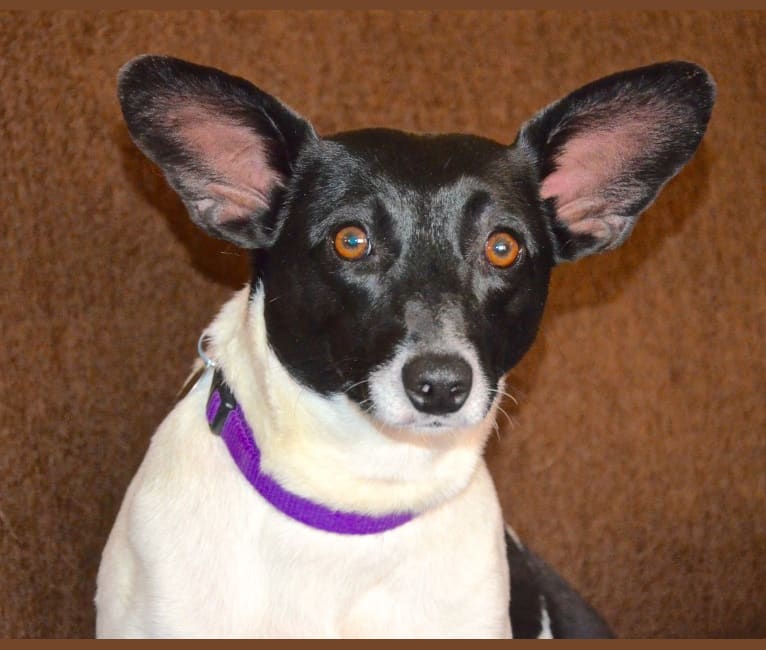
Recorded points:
437,383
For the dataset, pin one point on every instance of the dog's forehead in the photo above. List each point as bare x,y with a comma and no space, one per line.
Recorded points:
432,177
420,163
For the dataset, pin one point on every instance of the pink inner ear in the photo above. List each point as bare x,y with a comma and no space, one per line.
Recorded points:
587,166
236,156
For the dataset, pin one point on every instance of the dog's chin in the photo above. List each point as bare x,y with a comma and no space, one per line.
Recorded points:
421,424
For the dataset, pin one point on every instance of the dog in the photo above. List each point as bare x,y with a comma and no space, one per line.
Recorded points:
323,477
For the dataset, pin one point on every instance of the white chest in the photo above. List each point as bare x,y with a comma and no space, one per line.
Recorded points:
196,552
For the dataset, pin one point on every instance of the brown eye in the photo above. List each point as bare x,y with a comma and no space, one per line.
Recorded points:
501,249
351,243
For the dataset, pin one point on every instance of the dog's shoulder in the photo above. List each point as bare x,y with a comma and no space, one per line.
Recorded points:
182,447
174,531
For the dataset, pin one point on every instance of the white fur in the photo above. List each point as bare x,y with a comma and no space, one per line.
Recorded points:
545,621
196,552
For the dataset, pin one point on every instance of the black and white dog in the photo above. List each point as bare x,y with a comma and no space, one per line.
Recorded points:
324,477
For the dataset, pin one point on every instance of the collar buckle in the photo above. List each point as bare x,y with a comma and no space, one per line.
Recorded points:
226,402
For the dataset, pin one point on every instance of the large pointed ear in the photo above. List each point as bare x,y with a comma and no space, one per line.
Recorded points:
226,147
605,151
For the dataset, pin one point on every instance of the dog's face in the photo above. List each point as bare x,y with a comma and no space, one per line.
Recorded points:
410,272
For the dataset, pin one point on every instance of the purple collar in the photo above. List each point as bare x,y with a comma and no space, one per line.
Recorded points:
226,418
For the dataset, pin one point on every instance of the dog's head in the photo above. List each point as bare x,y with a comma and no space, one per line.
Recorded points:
410,272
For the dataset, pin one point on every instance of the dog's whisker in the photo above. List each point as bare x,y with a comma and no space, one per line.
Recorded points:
504,394
511,423
359,383
364,405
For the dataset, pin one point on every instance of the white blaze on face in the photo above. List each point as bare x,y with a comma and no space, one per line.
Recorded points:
428,334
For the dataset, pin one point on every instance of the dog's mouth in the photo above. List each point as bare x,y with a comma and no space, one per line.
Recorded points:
427,425
439,427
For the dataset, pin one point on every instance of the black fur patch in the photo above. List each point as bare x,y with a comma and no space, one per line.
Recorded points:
535,585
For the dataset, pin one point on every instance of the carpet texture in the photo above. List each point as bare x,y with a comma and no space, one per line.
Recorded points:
636,460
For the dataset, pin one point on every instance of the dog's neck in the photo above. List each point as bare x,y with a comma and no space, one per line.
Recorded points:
328,449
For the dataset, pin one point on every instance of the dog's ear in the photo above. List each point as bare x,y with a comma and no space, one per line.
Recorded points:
604,152
226,147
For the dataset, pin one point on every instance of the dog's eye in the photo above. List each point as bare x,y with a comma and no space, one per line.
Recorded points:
501,249
351,243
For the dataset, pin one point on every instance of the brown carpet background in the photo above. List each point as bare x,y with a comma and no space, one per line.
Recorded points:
636,463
